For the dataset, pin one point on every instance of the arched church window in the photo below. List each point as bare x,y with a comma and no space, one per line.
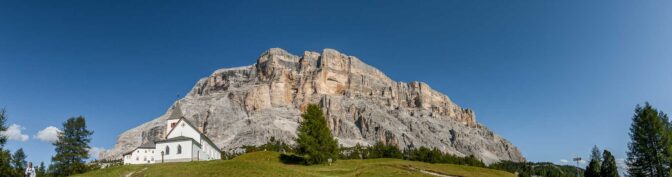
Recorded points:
167,150
179,149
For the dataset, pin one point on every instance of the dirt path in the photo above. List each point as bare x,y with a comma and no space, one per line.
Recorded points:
428,172
434,173
133,172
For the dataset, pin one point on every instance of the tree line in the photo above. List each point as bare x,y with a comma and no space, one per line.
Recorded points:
602,164
423,154
649,150
316,145
314,128
71,149
529,169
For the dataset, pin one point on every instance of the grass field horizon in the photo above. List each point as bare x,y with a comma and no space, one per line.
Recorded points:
267,163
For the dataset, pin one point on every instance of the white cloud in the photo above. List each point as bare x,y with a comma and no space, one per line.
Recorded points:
13,132
94,152
49,134
620,163
582,161
567,162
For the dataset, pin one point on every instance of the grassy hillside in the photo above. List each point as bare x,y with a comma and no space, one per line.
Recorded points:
268,164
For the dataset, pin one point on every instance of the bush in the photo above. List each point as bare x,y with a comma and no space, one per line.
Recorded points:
292,159
381,150
271,145
423,154
548,169
355,152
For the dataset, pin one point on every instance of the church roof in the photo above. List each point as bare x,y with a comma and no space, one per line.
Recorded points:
177,112
147,145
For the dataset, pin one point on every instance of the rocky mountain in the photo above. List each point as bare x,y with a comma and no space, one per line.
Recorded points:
248,105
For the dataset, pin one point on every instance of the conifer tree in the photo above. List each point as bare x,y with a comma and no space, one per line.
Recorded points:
71,148
5,155
19,162
315,141
41,171
649,148
609,168
3,120
593,169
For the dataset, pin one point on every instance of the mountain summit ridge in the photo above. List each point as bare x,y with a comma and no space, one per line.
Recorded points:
248,105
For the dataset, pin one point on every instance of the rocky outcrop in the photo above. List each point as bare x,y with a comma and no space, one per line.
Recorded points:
248,105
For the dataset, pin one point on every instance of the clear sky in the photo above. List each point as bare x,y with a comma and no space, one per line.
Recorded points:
553,77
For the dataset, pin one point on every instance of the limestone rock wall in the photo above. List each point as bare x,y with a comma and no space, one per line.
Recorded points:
247,105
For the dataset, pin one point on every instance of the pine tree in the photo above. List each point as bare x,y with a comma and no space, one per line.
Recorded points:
3,120
5,163
19,162
609,168
593,169
315,141
649,148
5,155
71,148
41,171
596,155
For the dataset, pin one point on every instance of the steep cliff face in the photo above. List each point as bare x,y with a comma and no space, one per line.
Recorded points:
248,105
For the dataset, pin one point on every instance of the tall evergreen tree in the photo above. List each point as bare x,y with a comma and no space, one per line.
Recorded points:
19,162
593,169
315,141
41,170
596,155
71,148
609,168
649,150
3,120
5,155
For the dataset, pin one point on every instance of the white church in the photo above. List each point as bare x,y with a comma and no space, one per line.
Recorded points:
183,143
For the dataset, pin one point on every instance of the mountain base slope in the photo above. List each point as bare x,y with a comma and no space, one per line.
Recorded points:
268,164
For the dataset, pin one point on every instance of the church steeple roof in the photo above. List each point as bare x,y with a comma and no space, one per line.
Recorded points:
176,113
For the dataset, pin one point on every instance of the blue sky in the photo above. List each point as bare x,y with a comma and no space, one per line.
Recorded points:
553,77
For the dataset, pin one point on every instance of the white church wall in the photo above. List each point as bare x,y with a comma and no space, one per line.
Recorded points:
182,129
196,153
173,156
168,124
140,156
127,159
210,151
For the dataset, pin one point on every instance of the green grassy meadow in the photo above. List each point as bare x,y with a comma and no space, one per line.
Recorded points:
268,164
